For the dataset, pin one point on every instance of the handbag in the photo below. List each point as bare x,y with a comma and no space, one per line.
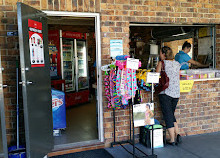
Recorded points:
163,81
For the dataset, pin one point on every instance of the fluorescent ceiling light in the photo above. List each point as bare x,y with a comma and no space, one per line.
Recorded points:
179,34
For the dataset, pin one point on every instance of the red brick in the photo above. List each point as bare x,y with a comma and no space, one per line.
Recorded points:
6,8
122,2
186,4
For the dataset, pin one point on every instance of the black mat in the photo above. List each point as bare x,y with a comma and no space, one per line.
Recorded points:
98,153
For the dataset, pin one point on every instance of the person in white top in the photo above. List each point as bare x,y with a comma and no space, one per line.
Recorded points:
169,97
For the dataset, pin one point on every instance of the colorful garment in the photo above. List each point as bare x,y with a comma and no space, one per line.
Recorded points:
115,99
118,82
107,89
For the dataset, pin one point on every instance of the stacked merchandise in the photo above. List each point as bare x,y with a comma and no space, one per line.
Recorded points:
141,80
198,74
118,83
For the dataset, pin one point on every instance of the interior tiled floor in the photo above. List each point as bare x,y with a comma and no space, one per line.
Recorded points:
81,124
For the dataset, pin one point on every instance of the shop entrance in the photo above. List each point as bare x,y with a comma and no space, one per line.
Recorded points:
72,53
70,66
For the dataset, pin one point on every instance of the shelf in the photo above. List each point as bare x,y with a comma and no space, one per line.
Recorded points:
69,80
205,79
67,51
67,60
67,69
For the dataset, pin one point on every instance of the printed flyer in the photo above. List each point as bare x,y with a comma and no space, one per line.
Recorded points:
36,43
143,114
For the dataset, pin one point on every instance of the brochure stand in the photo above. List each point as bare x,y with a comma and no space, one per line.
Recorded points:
132,139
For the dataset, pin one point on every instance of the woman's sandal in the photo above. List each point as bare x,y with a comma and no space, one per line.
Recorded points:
178,139
170,143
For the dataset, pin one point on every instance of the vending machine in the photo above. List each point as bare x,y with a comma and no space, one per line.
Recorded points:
73,60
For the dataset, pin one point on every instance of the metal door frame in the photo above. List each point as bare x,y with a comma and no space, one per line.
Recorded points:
2,110
98,64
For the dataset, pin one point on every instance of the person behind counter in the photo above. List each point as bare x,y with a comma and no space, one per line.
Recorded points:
169,97
182,57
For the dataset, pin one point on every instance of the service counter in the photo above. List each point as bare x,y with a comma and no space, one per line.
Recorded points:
198,111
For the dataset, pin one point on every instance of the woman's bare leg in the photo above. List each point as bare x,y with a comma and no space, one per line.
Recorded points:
172,134
176,129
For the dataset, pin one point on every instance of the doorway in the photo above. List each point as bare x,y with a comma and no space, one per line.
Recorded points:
83,93
36,79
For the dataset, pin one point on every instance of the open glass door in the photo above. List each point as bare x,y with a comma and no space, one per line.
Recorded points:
3,140
82,66
36,83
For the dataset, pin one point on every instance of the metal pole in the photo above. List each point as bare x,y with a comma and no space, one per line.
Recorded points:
17,106
114,123
152,100
152,140
152,93
132,85
130,118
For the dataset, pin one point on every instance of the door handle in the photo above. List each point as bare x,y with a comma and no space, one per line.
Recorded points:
27,82
30,83
3,86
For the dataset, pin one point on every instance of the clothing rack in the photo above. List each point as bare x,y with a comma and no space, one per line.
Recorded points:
131,140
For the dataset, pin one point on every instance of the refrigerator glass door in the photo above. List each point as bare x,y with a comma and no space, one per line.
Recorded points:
82,65
68,65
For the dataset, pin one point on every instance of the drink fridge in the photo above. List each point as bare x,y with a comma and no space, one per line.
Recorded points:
73,59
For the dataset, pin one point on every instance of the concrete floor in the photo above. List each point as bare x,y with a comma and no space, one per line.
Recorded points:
197,146
81,124
1,145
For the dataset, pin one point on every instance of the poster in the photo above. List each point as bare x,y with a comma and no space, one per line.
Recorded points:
153,77
53,54
132,63
158,138
143,114
36,43
116,48
186,85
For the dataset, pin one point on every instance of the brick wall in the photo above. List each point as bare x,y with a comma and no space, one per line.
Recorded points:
218,46
199,111
115,18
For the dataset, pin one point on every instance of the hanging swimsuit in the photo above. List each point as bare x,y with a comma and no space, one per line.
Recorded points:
107,89
115,99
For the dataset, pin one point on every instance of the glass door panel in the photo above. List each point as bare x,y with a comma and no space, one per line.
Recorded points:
68,65
82,65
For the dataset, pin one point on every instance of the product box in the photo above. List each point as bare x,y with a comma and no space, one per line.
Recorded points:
59,109
186,77
195,76
159,136
217,74
203,76
211,74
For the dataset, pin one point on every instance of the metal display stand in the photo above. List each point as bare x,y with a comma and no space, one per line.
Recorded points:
132,139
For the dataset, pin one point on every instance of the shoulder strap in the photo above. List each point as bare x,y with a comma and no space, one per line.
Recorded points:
163,66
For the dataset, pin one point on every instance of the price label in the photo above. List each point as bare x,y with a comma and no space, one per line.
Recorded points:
186,85
132,63
153,77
